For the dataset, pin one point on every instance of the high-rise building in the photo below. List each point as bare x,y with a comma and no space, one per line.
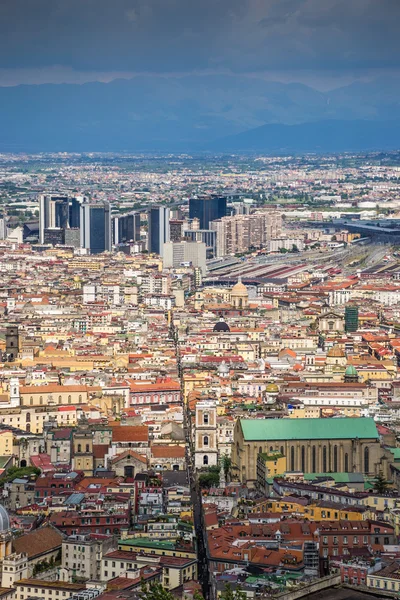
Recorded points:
53,210
351,318
240,233
57,211
158,229
126,228
180,253
3,227
176,230
207,209
96,227
75,212
54,236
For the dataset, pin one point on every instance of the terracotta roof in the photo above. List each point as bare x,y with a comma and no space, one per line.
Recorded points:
100,450
38,541
131,453
130,433
168,451
53,388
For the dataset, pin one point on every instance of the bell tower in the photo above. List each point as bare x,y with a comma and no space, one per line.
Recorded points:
14,392
206,450
12,342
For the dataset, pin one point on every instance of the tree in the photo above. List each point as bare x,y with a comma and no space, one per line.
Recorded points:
209,479
226,463
230,594
154,591
380,483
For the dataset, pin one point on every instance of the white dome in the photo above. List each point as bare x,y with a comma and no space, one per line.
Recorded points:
4,519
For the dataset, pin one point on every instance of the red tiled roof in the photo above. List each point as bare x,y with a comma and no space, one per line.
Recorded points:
130,433
168,451
131,453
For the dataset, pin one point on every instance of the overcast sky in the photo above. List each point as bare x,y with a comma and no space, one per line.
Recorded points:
320,42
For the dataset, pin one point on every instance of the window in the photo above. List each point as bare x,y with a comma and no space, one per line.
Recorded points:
335,459
205,440
303,458
69,399
314,460
205,459
59,399
346,463
205,419
324,462
366,459
87,448
292,458
79,447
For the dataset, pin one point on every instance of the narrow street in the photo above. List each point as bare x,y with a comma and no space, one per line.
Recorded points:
196,497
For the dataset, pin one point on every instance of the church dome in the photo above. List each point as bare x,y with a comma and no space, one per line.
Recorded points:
239,289
221,326
272,388
4,519
351,371
336,352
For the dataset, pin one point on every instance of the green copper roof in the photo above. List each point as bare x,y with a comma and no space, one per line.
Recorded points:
308,429
351,370
396,453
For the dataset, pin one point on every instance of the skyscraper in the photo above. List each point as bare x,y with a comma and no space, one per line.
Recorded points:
158,229
58,212
126,228
96,227
75,212
207,209
53,210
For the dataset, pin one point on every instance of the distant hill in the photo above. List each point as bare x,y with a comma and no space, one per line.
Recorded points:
320,136
188,113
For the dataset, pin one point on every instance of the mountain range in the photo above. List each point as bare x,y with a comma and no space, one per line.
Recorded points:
199,112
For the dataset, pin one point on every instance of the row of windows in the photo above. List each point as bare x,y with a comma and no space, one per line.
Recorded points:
60,399
35,590
156,398
80,448
335,464
385,584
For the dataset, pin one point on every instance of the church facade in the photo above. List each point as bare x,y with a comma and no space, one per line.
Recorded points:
309,445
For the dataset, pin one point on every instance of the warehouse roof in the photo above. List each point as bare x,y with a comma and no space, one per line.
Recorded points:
308,429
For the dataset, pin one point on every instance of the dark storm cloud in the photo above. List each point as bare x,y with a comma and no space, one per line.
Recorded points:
188,35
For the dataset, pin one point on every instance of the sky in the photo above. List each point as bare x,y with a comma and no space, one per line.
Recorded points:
323,43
